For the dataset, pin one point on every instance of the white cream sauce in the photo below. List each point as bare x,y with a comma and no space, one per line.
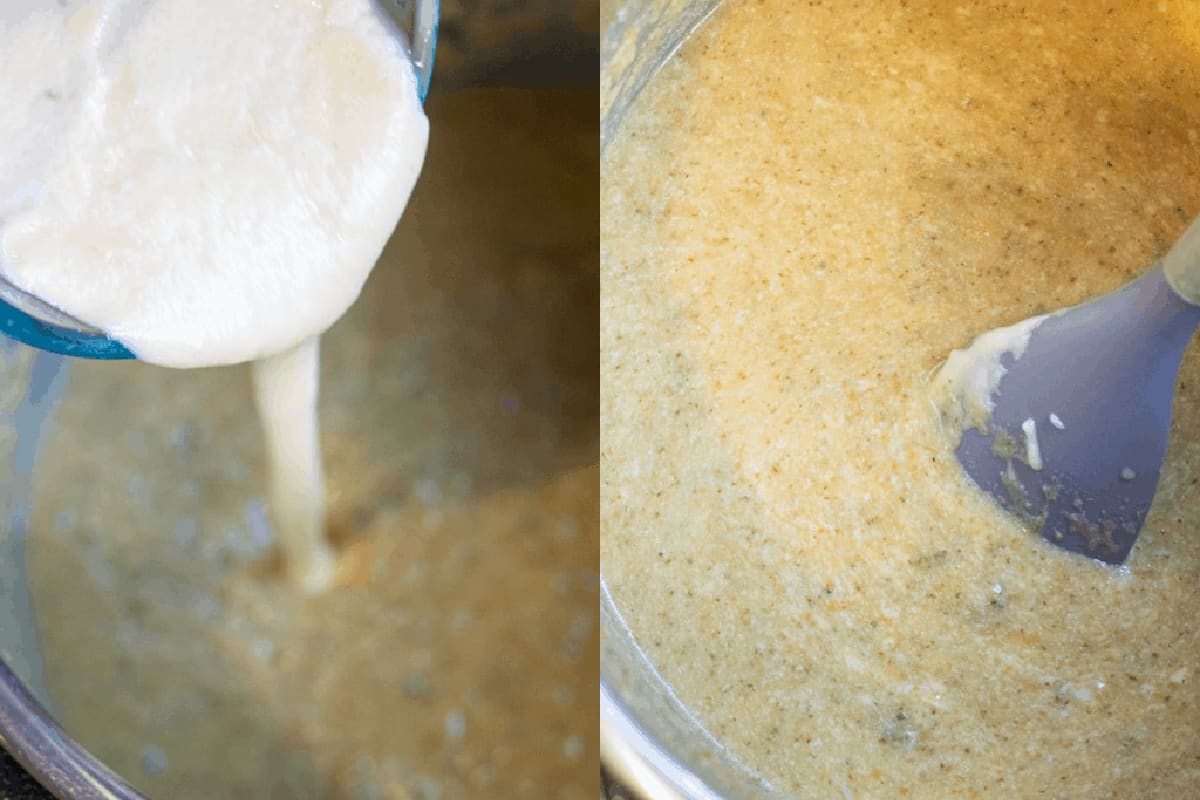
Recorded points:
209,183
964,388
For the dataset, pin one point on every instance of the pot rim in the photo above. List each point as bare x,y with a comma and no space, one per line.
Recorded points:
639,761
58,762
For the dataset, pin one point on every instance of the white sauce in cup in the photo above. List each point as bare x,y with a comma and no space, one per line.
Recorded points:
209,183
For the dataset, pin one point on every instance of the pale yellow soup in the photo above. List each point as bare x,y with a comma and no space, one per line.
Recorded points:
805,212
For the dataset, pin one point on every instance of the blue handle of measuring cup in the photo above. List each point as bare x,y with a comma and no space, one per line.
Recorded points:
16,324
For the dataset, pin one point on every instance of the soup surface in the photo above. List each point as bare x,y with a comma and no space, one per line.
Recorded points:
806,210
456,654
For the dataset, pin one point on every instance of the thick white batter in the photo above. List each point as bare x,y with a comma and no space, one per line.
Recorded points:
210,183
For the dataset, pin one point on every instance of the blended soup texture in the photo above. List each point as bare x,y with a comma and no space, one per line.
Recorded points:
805,212
455,654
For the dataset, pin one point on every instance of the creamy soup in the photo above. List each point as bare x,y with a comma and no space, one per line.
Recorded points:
455,652
806,210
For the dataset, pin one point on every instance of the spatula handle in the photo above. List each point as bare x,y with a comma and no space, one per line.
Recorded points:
1181,265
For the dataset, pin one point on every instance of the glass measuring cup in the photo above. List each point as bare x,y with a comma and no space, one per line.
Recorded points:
32,321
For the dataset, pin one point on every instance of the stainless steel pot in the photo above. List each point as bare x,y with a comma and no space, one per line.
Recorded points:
648,739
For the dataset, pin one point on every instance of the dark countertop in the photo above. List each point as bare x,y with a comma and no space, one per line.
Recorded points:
16,783
611,790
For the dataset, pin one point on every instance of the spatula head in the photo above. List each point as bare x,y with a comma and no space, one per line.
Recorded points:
1081,417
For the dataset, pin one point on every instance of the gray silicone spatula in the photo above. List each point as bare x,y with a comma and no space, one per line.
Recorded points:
1080,417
